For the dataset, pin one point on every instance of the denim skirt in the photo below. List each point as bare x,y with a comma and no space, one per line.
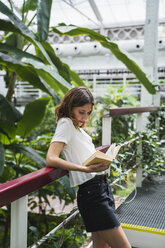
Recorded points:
96,205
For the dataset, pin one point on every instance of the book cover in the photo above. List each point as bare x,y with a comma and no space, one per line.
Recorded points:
99,156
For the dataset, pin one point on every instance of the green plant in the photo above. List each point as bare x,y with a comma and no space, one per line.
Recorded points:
70,235
46,127
20,156
15,127
152,158
158,118
124,192
45,71
143,152
115,97
149,157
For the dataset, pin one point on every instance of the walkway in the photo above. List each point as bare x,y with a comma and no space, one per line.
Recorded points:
146,213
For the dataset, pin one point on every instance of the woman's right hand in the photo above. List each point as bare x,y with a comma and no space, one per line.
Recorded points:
97,167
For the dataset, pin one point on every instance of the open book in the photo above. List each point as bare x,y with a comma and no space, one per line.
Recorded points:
99,157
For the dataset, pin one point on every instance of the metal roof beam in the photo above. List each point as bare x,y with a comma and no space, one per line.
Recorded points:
71,5
95,10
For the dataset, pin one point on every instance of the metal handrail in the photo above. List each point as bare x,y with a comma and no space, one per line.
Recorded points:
131,110
21,186
62,224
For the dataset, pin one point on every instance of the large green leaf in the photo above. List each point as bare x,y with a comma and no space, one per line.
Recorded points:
75,78
63,69
2,158
11,39
49,74
50,90
28,151
32,116
7,132
8,111
43,18
18,23
23,29
17,53
57,82
4,139
37,64
73,30
6,25
20,170
28,74
131,65
113,47
8,128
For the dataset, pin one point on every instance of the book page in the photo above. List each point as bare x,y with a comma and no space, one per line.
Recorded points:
113,150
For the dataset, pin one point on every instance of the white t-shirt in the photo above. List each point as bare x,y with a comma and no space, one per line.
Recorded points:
78,147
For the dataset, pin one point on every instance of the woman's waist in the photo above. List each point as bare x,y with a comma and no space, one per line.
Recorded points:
96,179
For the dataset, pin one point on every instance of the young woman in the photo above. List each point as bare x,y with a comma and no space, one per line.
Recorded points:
94,198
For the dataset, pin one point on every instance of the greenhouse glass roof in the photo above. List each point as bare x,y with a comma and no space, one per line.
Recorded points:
97,13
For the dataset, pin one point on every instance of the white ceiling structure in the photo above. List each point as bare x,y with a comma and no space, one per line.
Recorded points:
97,13
127,17
106,13
112,17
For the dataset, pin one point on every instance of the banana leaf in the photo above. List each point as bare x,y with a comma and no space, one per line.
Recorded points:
63,69
72,30
8,111
76,80
28,73
8,128
23,29
43,18
49,74
32,116
29,152
17,53
6,25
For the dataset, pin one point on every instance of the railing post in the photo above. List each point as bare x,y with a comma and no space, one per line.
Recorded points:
94,85
106,130
139,170
18,236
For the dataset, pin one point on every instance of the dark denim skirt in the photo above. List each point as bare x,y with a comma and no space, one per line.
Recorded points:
96,205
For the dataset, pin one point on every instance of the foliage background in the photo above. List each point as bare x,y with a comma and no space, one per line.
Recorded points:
25,137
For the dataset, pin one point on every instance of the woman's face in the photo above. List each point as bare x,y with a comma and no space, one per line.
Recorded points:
82,113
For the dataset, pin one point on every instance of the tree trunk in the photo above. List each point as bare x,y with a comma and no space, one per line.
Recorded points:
11,87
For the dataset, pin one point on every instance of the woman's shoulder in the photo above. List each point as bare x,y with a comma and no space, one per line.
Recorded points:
65,121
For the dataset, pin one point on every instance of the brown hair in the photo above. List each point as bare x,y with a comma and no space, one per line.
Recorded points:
75,97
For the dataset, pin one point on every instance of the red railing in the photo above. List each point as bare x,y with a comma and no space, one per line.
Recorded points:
21,186
131,110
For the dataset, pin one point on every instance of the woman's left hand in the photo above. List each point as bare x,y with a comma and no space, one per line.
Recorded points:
97,167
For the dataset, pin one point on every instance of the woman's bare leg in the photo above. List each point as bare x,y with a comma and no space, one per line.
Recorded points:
115,238
98,242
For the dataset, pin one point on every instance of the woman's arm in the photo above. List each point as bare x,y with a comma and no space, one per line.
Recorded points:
53,160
